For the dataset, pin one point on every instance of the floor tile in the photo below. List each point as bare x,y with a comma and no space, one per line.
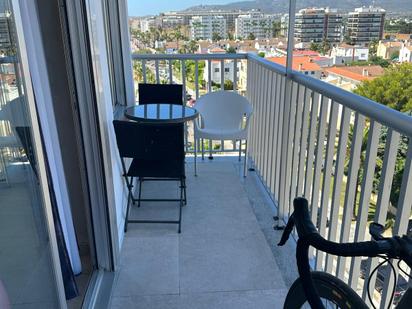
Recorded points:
149,265
227,264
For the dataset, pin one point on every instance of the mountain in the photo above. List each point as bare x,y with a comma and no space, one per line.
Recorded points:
282,6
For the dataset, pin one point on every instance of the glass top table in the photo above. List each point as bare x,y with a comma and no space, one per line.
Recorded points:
160,113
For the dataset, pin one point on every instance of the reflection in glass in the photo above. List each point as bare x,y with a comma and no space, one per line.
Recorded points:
26,275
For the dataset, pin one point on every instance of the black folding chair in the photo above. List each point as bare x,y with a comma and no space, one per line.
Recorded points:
160,93
157,153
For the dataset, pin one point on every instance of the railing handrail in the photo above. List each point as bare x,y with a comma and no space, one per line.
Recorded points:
189,56
385,115
268,64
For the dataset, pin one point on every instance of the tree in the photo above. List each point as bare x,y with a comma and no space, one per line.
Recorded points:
325,47
251,36
261,54
395,55
228,85
216,37
231,50
177,35
230,36
393,88
372,60
314,46
276,28
373,47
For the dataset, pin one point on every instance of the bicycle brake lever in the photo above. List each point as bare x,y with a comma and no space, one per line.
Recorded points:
376,230
286,232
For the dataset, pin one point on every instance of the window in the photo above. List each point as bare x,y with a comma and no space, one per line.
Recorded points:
217,70
227,70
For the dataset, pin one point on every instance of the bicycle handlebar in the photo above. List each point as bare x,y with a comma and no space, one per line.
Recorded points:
394,247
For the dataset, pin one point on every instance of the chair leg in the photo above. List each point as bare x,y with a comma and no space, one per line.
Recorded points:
180,206
184,192
140,192
245,163
240,149
131,191
196,142
203,148
129,197
3,162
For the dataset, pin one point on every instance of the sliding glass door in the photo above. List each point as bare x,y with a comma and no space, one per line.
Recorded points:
28,252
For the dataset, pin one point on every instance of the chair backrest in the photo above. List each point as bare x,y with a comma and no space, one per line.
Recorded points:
147,141
160,93
223,110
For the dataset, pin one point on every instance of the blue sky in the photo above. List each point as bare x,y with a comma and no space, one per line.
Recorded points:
150,7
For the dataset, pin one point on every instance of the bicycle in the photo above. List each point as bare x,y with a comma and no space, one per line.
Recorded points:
322,290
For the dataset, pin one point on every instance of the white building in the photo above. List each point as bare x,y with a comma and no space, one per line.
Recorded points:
215,71
284,25
255,23
149,22
172,21
344,53
215,68
405,54
205,27
366,24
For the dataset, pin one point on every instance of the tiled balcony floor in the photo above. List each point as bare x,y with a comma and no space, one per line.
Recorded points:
225,257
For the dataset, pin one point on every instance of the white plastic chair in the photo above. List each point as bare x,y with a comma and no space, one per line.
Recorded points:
224,115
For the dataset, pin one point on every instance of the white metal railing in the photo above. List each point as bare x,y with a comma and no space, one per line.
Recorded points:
309,138
174,68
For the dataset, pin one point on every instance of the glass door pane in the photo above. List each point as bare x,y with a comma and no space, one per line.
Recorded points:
26,272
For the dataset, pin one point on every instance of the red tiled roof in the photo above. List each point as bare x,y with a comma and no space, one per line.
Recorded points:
300,63
310,53
357,72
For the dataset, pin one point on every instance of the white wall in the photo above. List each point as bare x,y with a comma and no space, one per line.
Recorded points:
116,190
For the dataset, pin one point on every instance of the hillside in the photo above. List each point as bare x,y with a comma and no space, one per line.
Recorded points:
281,6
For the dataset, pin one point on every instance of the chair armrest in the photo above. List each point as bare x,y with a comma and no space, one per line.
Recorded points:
247,121
197,125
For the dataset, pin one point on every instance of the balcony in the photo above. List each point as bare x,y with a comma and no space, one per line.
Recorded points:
307,138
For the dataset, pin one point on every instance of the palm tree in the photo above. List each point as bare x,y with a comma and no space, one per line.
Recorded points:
177,35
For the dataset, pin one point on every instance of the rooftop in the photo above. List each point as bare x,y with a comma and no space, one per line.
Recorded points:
226,255
357,73
300,63
392,43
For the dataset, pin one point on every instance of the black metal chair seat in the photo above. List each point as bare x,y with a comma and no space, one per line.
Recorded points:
174,169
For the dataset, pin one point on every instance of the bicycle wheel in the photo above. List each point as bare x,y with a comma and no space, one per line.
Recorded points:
333,292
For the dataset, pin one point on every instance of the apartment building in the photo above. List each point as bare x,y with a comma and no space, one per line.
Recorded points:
333,26
205,27
171,21
255,23
229,16
149,22
5,33
318,25
365,24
